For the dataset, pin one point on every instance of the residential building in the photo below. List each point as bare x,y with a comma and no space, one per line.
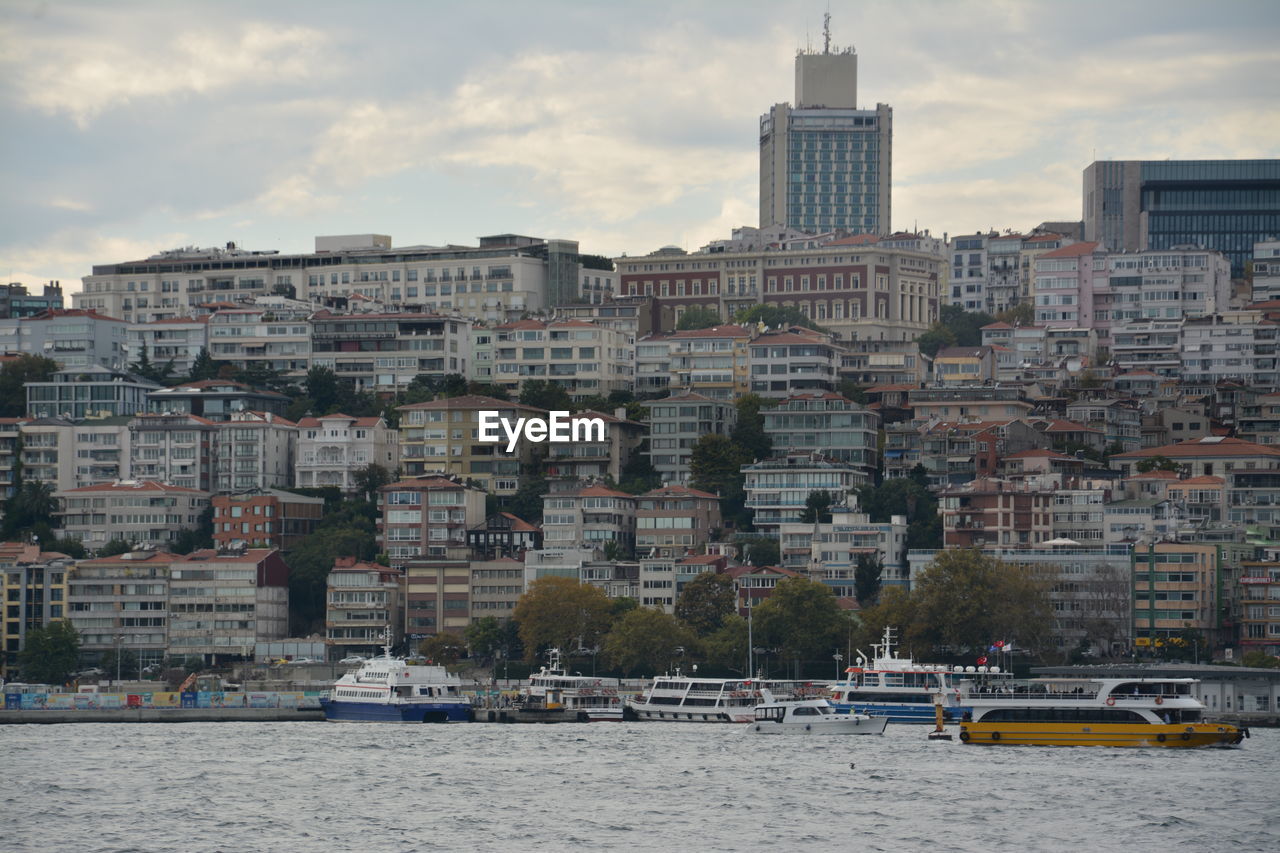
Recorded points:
1259,420
122,603
778,488
361,600
384,353
825,422
713,362
993,512
92,391
754,585
1120,421
178,449
964,366
595,457
481,354
673,521
829,551
663,578
1222,205
955,453
427,519
585,359
1176,588
332,448
503,535
792,361
1148,345
871,363
675,425
1239,345
143,513
73,338
438,598
67,454
33,584
175,342
256,450
215,400
824,163
16,301
221,604
264,519
10,447
443,436
653,365
1259,619
589,517
1266,271
273,335
968,283
986,403
631,316
496,587
1004,272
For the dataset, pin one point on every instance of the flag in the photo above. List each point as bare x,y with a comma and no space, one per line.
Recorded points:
993,649
999,644
982,661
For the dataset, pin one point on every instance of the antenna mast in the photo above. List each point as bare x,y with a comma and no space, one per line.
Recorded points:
826,32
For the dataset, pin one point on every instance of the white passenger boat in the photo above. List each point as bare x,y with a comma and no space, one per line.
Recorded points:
389,689
680,698
810,717
552,695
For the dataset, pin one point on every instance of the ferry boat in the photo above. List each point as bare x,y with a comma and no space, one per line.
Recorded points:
552,695
810,717
903,690
389,689
1093,712
680,698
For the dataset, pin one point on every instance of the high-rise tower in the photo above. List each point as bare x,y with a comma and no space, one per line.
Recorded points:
824,163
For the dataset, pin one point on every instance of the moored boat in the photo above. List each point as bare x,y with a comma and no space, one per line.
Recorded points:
389,689
810,717
552,695
680,698
1129,712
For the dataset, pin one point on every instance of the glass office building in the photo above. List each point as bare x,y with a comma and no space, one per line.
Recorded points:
1224,205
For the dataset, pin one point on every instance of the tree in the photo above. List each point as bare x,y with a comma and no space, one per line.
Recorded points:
966,325
369,479
817,507
1259,658
486,389
31,508
894,608
776,317
748,429
909,496
715,466
595,262
1157,463
161,374
193,539
866,578
705,602
128,660
561,613
760,550
15,374
966,600
50,653
638,475
324,389
802,619
725,650
526,503
1022,314
312,559
698,318
443,648
937,337
114,547
646,641
547,395
203,367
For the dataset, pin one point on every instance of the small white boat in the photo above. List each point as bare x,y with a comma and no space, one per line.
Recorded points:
810,717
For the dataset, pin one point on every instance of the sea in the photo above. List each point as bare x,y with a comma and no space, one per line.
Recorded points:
615,786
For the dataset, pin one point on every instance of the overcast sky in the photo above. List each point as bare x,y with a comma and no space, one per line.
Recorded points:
129,128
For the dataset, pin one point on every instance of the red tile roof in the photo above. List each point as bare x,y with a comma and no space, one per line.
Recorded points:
1204,448
678,491
134,486
1075,250
996,325
1204,480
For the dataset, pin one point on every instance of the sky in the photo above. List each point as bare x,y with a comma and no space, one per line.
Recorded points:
134,127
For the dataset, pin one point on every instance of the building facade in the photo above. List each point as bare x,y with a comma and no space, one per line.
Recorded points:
333,447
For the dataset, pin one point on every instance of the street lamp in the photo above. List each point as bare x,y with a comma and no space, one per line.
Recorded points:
837,657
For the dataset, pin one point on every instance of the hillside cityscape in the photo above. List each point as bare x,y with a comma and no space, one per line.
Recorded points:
1056,439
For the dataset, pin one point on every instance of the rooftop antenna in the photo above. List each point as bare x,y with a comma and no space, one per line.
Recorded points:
826,31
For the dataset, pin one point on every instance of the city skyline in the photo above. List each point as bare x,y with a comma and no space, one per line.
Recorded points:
132,130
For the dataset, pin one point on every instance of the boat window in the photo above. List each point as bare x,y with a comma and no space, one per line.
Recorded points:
805,712
825,711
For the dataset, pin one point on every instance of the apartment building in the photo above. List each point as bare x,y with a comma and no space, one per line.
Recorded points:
1176,588
215,399
964,366
1235,345
93,391
585,359
428,518
596,457
496,587
829,551
67,454
439,596
1258,420
675,425
792,361
1266,271
589,517
1147,344
991,512
481,354
142,512
73,338
1259,619
653,365
713,362
1119,421
332,448
871,363
362,599
17,301
256,451
827,423
122,603
503,535
10,459
178,449
384,353
220,605
778,488
175,342
273,334
443,436
673,521
33,584
986,403
264,519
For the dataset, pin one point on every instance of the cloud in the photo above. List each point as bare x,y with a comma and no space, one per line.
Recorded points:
72,252
83,77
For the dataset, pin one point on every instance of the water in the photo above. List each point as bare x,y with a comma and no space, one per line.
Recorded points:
605,786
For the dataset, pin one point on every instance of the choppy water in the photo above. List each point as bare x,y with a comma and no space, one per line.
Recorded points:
641,786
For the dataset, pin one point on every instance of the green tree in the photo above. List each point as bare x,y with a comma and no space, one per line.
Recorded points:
866,578
312,559
1022,314
725,649
966,325
30,509
203,367
193,539
748,429
485,389
760,550
161,374
50,653
114,547
15,374
1259,658
817,507
967,600
443,648
705,602
937,337
715,466
646,641
907,496
894,608
562,613
324,390
595,262
129,668
369,479
775,317
802,619
698,318
547,395
1157,463
638,475
526,503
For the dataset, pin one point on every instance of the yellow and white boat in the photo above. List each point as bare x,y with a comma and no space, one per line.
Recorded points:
1092,712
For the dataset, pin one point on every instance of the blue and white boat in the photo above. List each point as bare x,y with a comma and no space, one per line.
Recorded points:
903,690
389,689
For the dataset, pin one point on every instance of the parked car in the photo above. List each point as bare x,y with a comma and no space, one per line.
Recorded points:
305,660
354,659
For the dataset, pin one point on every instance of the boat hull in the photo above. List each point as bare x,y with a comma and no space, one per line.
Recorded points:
855,726
416,712
1175,736
678,714
899,712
